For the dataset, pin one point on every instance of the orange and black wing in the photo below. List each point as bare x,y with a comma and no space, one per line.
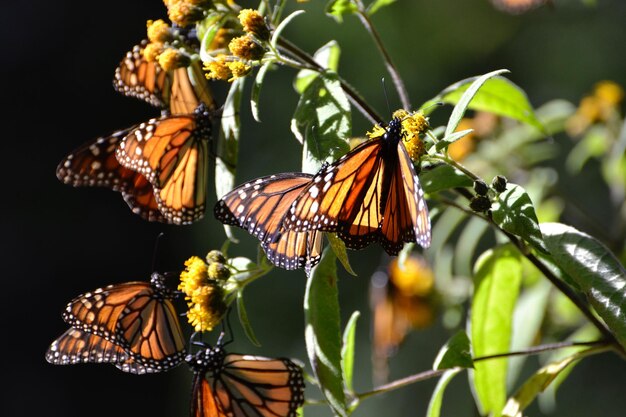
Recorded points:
259,206
371,194
254,386
189,89
94,164
148,328
237,385
171,152
146,80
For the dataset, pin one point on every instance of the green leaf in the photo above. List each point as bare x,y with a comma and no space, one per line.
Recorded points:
596,271
434,406
337,8
513,211
322,330
206,31
322,122
497,276
347,350
279,29
538,383
255,94
448,140
528,317
327,57
228,144
455,353
376,5
243,319
464,101
340,251
498,95
443,177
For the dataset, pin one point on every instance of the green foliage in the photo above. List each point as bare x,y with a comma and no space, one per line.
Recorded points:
497,278
455,353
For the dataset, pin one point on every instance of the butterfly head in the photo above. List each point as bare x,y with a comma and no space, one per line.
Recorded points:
393,132
209,359
157,281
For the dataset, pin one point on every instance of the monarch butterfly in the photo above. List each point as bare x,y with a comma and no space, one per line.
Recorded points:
133,325
234,385
181,89
160,166
371,194
259,206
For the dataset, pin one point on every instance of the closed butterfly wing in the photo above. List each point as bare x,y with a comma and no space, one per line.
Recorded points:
94,165
259,206
146,80
138,316
171,152
189,89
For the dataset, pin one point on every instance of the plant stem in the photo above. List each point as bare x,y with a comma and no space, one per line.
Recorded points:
353,95
422,376
543,348
391,68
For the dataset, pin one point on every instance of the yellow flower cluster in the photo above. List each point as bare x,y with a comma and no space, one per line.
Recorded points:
202,285
224,68
253,23
413,127
160,35
186,12
597,107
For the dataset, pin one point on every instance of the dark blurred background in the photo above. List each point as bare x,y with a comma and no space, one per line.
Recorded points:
58,60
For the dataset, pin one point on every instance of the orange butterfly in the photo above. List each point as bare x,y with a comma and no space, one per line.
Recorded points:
259,206
164,178
371,194
133,325
234,385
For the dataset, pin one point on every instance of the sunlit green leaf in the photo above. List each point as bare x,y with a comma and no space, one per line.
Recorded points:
498,95
455,353
347,350
497,277
323,332
340,251
513,211
466,95
279,29
376,5
243,319
327,57
228,144
434,406
443,177
322,122
337,8
596,271
448,140
255,94
537,383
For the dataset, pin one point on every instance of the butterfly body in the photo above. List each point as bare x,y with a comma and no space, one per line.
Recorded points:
235,385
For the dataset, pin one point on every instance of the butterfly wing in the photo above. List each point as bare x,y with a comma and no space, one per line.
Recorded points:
148,328
203,401
189,89
259,206
172,153
253,386
76,346
344,197
146,80
94,164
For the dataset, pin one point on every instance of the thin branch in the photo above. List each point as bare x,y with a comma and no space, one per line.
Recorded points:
353,95
391,68
535,350
422,376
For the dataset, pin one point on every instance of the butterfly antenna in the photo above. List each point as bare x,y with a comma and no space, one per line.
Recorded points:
226,328
382,80
156,249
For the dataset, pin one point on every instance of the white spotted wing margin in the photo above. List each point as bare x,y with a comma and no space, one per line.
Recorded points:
259,207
